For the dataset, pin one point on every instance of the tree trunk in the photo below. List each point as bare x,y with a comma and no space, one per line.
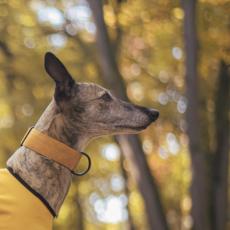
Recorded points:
198,187
80,214
130,145
130,223
221,159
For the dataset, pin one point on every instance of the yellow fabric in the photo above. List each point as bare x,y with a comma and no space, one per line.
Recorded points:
19,208
51,148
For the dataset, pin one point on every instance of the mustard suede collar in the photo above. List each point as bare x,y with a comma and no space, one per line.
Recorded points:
54,150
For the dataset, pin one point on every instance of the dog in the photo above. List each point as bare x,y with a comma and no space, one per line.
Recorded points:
36,186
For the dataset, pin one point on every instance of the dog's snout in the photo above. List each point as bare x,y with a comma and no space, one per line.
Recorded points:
152,114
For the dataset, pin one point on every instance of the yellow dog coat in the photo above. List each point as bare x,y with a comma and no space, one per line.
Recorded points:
20,209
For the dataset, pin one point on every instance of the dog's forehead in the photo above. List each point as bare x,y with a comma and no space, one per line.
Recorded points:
90,90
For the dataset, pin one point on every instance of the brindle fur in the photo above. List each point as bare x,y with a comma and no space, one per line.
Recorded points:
78,113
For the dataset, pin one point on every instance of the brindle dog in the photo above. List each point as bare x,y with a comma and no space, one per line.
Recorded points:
78,113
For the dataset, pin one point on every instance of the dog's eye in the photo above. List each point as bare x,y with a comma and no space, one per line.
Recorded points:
106,97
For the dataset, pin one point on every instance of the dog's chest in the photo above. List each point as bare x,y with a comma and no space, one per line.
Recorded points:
19,208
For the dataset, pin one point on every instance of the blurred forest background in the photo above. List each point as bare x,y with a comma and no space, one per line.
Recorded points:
170,55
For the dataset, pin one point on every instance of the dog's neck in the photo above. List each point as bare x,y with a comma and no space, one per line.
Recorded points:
48,178
53,123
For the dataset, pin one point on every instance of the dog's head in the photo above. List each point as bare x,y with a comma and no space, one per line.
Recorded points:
93,109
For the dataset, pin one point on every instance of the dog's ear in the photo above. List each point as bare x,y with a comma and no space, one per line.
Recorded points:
55,68
57,71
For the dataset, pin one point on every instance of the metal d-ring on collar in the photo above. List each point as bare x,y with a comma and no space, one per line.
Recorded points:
86,170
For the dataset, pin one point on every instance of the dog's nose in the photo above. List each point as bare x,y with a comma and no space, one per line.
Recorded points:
153,114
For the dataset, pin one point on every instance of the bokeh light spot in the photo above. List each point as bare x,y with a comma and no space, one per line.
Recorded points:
111,152
117,183
177,53
173,145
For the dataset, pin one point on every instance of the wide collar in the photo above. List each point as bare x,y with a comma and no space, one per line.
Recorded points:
54,150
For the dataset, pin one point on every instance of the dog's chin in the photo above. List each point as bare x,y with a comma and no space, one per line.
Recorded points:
129,129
